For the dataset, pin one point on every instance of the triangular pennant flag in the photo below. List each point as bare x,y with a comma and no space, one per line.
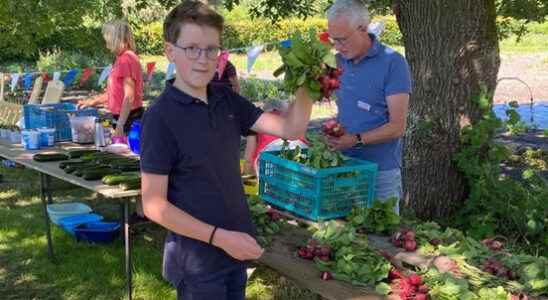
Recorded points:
14,80
104,74
170,71
45,76
27,81
252,55
86,74
150,70
376,28
56,75
69,78
286,44
221,63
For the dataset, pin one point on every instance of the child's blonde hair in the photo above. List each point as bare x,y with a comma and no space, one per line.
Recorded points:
118,35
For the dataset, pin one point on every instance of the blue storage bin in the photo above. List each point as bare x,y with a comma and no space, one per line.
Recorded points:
134,137
316,194
70,223
61,210
54,116
97,232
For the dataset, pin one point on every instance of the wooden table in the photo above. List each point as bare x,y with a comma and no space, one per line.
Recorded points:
51,169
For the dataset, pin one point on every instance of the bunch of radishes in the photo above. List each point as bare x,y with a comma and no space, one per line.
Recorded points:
495,267
405,238
330,82
313,249
408,287
274,215
493,244
333,128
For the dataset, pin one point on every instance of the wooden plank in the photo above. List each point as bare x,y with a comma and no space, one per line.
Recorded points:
24,157
280,256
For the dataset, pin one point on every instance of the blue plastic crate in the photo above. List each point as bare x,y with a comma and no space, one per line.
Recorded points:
54,116
316,194
70,223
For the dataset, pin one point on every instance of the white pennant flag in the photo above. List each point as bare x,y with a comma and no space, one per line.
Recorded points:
170,72
376,28
14,80
56,75
104,74
252,55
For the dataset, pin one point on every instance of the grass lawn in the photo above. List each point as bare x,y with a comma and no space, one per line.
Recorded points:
86,271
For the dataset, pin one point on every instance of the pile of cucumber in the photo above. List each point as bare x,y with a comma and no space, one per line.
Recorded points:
111,168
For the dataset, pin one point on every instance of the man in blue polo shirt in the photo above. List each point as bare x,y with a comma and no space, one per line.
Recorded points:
190,161
373,97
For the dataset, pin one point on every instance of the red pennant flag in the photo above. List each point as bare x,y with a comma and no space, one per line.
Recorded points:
150,69
86,74
45,76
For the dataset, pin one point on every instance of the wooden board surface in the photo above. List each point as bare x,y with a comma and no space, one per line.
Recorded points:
280,256
24,157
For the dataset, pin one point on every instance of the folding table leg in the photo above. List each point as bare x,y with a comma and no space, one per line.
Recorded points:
45,189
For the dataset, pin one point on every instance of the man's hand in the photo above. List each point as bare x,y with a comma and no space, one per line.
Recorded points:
342,143
119,131
239,245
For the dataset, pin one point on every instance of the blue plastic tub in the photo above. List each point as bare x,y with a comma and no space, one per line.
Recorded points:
316,194
97,232
70,223
61,210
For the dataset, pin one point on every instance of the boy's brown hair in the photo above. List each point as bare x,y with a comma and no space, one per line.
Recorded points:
190,12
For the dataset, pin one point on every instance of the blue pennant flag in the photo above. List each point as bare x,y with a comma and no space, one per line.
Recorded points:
27,81
70,77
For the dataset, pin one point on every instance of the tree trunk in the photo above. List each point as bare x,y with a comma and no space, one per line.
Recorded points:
452,49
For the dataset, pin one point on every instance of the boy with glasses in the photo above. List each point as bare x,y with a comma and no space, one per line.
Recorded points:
190,153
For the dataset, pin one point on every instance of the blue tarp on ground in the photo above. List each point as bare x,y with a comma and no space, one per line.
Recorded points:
539,113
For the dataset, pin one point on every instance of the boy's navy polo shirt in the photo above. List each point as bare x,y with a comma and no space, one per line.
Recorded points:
361,99
198,146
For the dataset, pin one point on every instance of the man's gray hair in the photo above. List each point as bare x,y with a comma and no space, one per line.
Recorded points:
355,10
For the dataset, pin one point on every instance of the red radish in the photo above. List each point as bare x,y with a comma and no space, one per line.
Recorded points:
324,258
394,274
420,296
337,72
423,289
410,246
326,275
410,236
415,279
334,83
325,250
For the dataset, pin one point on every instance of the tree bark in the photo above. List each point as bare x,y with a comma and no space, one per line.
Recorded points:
452,49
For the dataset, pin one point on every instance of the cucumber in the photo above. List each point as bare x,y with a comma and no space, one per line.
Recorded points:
133,184
45,157
80,153
118,179
96,174
128,168
65,164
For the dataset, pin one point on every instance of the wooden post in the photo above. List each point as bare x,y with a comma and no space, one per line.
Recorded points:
1,86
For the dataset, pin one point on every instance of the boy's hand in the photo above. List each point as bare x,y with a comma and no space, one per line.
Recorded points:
239,245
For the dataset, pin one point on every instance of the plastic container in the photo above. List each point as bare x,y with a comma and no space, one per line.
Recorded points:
4,133
62,210
15,137
70,223
54,116
30,139
134,137
47,137
97,232
316,194
83,129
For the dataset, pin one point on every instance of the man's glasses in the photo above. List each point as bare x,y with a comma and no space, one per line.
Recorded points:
344,40
193,52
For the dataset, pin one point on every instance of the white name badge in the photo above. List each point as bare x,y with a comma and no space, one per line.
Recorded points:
364,106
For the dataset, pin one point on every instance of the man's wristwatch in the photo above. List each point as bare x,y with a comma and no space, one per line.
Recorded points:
358,140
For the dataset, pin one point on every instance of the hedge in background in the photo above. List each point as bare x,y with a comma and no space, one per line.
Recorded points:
245,33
